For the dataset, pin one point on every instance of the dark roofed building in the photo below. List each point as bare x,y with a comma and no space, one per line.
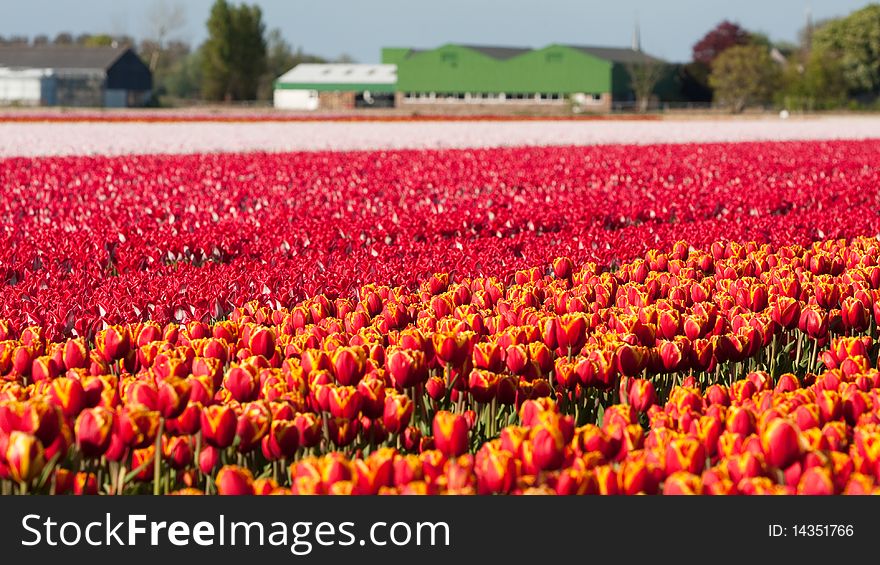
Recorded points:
73,75
618,55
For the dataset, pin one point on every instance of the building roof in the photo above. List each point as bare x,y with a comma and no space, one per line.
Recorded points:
60,57
613,54
337,74
497,52
616,54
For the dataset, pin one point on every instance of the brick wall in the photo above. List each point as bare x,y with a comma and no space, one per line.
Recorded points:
336,100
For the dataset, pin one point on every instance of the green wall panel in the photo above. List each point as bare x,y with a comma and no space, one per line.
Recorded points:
455,68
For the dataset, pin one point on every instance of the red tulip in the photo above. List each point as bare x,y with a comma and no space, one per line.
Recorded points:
309,427
451,349
642,395
68,394
348,365
781,443
397,413
343,432
112,343
93,431
682,483
372,396
685,454
241,384
571,332
173,395
138,426
24,456
282,440
85,484
815,481
406,366
261,341
209,458
234,480
178,452
488,355
450,433
253,424
218,426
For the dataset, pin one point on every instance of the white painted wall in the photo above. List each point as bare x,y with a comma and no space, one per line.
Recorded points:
296,99
21,87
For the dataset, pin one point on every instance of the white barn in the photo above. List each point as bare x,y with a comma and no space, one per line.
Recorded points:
311,86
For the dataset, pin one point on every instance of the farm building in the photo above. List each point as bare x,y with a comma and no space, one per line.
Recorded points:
592,77
336,86
73,75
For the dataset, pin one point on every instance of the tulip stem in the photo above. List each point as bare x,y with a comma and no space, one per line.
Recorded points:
326,429
198,453
815,356
120,480
157,458
773,357
99,475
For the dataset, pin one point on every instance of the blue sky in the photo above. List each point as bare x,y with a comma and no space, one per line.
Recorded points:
361,28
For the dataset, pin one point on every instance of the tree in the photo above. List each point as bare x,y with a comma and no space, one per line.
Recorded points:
643,78
164,18
855,42
722,37
744,75
41,39
279,60
816,83
249,51
63,38
14,40
183,78
301,56
693,82
174,74
694,77
217,53
99,40
234,55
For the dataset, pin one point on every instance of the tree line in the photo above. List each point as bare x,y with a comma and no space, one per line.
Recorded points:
238,61
835,63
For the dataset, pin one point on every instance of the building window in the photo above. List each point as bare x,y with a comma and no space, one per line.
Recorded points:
451,58
554,57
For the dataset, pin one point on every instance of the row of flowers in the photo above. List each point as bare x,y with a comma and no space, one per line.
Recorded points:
673,372
170,116
91,242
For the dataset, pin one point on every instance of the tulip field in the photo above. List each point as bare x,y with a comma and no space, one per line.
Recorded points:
692,318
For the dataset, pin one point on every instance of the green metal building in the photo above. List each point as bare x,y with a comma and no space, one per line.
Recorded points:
592,76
